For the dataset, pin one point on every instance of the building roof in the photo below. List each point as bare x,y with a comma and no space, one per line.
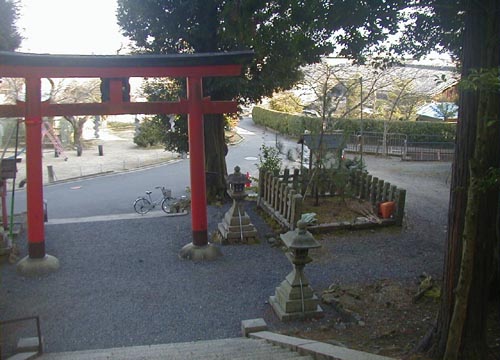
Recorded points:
439,110
427,80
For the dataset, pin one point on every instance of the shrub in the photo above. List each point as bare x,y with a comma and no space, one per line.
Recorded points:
151,133
286,102
269,159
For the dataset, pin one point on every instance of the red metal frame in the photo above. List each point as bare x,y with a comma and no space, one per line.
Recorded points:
194,67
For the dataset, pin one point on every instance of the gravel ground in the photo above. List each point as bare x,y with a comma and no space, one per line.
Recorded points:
393,253
121,282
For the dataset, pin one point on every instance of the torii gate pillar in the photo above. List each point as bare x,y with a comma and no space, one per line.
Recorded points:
38,262
199,249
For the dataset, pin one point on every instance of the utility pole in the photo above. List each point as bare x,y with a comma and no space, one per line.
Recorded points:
361,121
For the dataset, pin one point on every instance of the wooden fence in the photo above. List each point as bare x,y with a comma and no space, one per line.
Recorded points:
280,198
367,187
279,195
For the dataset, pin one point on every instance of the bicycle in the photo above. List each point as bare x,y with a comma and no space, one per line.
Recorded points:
169,204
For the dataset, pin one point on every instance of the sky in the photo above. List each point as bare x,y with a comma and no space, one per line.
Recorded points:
69,27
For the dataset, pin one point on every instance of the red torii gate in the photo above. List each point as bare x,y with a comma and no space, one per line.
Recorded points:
193,67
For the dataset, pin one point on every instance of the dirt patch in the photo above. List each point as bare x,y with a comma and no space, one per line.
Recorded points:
379,318
336,209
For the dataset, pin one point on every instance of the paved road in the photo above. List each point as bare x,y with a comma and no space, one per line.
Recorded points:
115,193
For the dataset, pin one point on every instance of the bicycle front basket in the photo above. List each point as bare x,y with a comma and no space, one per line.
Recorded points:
166,192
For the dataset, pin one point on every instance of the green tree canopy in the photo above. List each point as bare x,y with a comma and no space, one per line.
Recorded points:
10,39
284,35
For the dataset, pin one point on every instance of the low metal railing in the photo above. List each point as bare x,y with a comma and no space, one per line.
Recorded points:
413,148
38,331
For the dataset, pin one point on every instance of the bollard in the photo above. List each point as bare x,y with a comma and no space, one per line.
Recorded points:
50,172
45,212
79,150
100,149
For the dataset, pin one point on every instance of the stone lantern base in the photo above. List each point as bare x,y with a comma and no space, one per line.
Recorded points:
295,299
236,227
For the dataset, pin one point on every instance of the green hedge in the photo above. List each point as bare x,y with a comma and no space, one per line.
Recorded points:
294,125
284,123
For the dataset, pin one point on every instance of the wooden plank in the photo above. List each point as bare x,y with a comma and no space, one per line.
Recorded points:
373,191
400,206
380,190
385,194
368,186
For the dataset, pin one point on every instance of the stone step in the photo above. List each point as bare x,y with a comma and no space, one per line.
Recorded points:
238,348
29,344
316,349
24,356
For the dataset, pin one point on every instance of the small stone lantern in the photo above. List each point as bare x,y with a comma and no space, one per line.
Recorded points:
236,182
236,227
294,298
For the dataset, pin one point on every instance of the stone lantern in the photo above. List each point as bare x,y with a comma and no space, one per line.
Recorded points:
294,298
236,227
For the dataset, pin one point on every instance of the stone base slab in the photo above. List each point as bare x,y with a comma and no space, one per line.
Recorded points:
37,267
198,253
236,235
290,316
252,325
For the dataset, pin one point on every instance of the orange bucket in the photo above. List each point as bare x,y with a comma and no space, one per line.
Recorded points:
386,209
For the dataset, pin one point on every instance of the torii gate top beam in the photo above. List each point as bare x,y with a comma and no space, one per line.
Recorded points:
23,65
116,67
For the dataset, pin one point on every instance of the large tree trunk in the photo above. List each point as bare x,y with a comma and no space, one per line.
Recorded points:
479,238
467,338
215,157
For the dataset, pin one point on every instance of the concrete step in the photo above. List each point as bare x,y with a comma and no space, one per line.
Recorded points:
234,349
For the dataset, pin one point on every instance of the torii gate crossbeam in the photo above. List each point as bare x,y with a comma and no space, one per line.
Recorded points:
193,67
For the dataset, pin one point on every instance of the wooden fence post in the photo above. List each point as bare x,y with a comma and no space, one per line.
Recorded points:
392,192
276,187
380,187
373,191
286,175
296,210
289,207
295,180
385,195
282,198
362,186
266,186
400,206
368,187
262,186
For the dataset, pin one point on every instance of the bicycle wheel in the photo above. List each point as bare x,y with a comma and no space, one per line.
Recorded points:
142,205
168,205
